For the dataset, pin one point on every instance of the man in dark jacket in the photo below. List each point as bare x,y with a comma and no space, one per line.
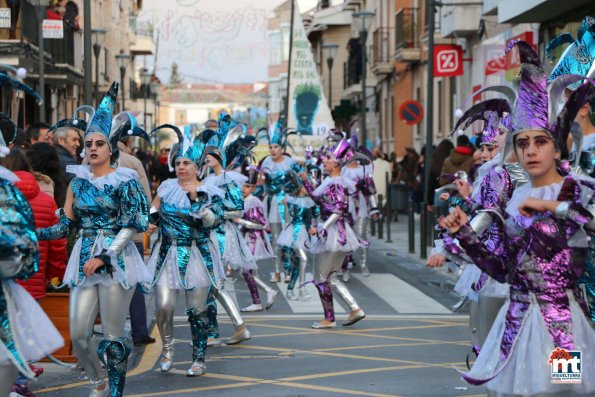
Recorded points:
461,159
67,141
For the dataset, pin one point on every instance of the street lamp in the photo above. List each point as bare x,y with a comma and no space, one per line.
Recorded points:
98,37
145,79
331,51
122,61
155,85
363,20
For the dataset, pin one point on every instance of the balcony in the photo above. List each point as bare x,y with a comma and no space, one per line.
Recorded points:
459,21
407,43
66,51
382,62
352,76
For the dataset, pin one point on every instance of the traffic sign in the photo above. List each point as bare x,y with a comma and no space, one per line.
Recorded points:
411,112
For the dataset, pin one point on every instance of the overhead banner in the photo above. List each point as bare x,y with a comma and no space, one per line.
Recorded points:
308,110
448,60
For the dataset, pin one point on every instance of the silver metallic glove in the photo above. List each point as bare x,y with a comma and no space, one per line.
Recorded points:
208,217
251,225
10,266
232,214
121,240
481,222
330,221
590,225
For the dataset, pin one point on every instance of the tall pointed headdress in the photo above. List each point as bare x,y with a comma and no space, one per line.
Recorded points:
101,121
75,121
579,56
124,124
277,135
536,106
186,146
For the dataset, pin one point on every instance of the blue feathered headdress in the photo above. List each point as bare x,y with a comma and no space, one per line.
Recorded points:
101,122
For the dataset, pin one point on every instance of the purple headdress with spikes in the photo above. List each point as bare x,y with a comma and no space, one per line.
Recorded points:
537,107
492,112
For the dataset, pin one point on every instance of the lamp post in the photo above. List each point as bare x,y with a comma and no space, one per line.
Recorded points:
331,51
41,11
363,20
98,36
145,79
122,60
154,85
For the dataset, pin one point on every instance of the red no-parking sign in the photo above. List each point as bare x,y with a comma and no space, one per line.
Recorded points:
411,112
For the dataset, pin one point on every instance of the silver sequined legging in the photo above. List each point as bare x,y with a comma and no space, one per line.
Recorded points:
113,302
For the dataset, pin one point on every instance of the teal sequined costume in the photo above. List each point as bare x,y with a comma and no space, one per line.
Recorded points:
26,334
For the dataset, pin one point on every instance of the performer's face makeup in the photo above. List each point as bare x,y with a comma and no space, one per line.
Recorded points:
248,189
276,151
185,169
97,149
330,163
488,152
537,153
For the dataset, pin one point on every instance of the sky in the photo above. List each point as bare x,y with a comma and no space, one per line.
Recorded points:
212,40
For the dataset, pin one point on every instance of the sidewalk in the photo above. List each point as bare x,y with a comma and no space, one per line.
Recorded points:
400,243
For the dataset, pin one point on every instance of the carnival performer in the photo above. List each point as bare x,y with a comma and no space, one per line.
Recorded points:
252,224
302,214
26,333
226,151
109,206
492,188
544,246
335,236
364,206
579,59
274,168
184,258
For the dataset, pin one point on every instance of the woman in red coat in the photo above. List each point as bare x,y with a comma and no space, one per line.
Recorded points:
52,254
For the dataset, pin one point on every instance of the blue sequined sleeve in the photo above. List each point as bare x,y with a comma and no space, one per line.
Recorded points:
134,206
218,208
234,200
17,220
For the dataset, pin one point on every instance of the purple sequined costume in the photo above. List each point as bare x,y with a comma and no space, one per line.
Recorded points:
541,259
336,239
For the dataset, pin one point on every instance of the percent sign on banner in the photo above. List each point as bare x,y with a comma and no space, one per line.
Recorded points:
448,60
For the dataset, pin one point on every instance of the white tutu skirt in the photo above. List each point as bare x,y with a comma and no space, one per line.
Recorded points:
331,242
236,251
273,214
262,249
470,276
527,371
197,274
285,238
136,271
35,334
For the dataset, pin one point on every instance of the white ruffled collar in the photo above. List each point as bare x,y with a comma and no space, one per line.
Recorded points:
120,175
252,202
171,192
8,175
302,202
268,165
224,178
335,180
521,193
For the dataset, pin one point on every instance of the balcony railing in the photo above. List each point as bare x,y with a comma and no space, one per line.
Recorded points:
351,73
406,25
67,50
381,46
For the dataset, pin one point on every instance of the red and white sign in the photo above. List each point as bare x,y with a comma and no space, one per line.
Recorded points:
494,59
53,29
448,60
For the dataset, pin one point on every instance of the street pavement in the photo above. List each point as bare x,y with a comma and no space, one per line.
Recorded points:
409,344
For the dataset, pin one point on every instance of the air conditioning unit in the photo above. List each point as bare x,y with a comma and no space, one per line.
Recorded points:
72,92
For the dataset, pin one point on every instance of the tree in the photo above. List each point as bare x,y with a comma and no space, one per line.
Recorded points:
175,78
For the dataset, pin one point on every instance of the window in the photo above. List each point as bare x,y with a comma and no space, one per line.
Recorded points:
275,48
